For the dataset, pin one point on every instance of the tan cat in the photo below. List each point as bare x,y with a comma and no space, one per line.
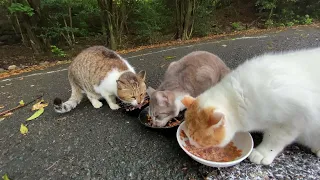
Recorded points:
102,73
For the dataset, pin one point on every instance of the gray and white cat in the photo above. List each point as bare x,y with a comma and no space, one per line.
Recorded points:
191,75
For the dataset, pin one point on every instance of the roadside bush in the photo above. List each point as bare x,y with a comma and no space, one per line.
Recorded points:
127,23
288,12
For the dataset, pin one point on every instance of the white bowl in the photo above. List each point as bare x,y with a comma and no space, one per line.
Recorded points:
242,140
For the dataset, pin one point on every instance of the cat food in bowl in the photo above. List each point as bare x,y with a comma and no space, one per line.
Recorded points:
236,151
129,107
146,120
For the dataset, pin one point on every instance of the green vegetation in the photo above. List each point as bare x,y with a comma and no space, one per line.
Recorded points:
237,26
57,51
48,24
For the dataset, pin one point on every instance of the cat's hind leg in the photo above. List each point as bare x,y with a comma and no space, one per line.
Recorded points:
310,139
314,143
94,99
111,100
316,151
274,141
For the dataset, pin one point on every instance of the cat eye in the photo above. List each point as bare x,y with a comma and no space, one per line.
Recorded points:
133,97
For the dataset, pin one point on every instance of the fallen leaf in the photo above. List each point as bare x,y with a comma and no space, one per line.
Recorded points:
23,129
224,45
36,114
1,119
21,103
8,114
21,78
169,57
1,106
5,177
39,105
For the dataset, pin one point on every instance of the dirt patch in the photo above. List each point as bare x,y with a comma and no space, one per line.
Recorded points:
238,11
20,55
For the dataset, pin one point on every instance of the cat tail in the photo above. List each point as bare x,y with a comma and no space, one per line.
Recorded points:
73,101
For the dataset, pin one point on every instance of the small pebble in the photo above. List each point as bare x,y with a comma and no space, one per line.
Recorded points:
12,67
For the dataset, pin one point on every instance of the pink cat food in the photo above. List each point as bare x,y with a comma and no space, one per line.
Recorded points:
173,122
226,154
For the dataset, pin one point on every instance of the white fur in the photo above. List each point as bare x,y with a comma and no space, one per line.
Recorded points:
109,83
131,68
179,105
278,94
108,87
108,90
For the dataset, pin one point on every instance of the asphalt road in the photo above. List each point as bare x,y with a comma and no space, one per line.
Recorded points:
90,143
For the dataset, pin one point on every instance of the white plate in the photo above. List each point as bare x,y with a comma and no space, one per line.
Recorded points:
242,140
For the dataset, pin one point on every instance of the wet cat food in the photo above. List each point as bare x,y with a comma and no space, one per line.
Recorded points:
229,153
173,122
129,107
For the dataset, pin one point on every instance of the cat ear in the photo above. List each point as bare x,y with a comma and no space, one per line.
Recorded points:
120,84
150,90
142,75
187,101
215,117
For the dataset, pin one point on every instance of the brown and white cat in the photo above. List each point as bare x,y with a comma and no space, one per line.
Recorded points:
277,94
191,75
102,73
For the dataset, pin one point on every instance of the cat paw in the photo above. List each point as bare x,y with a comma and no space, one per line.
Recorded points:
96,104
316,151
114,106
259,158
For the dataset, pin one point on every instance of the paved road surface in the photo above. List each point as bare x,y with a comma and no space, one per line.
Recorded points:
90,143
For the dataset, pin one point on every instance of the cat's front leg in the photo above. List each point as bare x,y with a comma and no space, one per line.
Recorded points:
94,99
274,141
111,100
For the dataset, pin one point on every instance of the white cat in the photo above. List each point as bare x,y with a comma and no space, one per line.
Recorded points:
275,93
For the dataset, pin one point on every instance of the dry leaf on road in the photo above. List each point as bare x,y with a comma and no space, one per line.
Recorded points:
23,129
39,105
36,114
1,106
